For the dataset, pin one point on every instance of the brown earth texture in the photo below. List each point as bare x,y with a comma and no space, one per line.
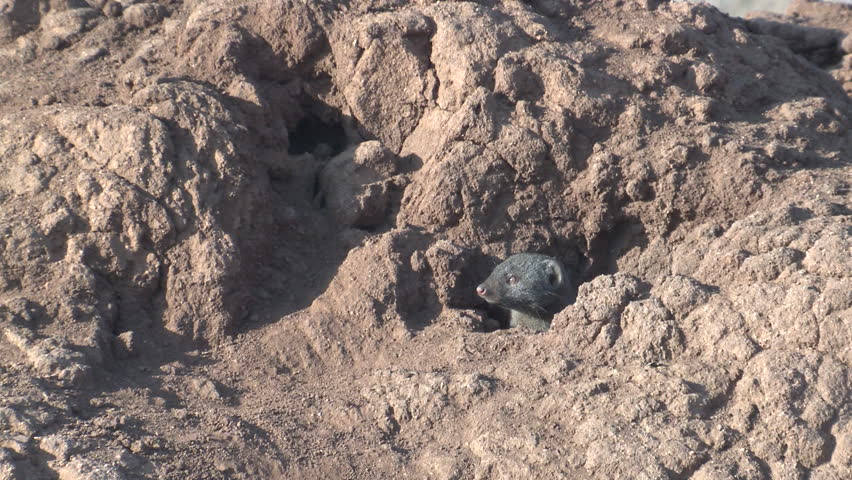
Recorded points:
239,239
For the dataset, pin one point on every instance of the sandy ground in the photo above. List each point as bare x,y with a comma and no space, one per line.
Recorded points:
241,239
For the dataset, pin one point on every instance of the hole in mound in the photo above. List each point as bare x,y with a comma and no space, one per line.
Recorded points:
611,245
311,132
497,319
575,262
824,56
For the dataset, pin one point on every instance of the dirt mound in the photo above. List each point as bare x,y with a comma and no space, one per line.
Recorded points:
241,240
821,31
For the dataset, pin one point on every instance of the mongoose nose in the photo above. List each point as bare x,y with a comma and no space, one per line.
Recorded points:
481,291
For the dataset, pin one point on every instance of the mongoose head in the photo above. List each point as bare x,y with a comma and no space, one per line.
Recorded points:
526,282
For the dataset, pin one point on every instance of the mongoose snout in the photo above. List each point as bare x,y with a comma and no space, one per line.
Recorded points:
531,286
482,291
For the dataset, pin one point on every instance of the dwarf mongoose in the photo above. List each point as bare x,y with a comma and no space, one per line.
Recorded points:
532,287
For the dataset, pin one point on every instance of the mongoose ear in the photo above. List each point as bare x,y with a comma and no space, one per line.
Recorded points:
554,273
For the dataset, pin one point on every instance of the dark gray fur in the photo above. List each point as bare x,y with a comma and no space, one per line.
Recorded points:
540,289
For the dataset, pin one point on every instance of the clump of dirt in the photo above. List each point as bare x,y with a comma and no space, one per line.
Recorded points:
241,240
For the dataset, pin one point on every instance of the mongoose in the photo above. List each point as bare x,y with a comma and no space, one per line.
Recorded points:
532,287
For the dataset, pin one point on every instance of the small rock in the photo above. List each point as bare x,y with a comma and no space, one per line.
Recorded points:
638,190
110,422
112,9
59,223
205,388
152,443
48,99
846,44
13,422
354,184
137,446
143,15
52,42
25,49
61,27
127,460
224,465
85,469
57,445
15,443
91,54
125,345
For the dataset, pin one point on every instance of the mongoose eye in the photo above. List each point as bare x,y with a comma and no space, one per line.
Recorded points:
511,279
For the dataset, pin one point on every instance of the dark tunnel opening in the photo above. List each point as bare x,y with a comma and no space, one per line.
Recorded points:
311,132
